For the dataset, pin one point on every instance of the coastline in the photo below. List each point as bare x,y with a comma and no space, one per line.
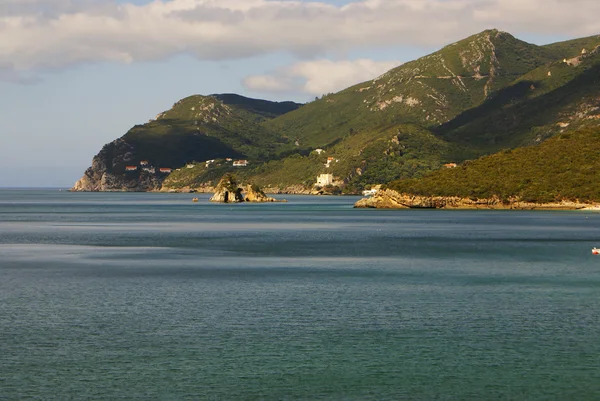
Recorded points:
389,199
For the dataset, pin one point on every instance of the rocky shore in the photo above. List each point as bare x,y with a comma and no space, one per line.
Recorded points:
389,199
107,172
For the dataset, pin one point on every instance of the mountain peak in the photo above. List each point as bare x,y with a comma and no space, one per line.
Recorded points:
494,31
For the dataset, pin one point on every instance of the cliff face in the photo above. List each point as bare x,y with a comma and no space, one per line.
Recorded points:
389,199
108,172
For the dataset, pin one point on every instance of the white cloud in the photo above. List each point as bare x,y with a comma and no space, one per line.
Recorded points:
42,34
319,77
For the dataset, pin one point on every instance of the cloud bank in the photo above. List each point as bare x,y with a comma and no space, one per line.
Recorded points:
319,77
37,35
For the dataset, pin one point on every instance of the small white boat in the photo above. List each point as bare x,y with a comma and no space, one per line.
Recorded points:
595,251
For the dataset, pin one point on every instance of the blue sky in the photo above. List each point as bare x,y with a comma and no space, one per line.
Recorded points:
76,74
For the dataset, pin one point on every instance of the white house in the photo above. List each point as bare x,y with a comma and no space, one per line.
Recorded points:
240,163
324,180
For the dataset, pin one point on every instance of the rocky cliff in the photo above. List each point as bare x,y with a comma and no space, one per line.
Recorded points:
108,171
389,199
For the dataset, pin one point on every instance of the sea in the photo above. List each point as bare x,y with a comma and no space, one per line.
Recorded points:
150,296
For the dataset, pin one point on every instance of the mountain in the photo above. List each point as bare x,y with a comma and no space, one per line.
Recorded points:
536,106
429,91
478,96
195,128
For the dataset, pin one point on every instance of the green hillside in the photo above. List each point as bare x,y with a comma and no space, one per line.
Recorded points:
520,92
209,127
429,91
360,160
478,96
566,167
535,107
363,159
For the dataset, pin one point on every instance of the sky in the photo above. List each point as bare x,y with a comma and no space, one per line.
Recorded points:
77,74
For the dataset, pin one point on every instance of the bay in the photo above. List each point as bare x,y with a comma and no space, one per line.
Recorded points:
151,296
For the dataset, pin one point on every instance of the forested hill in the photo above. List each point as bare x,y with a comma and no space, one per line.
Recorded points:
488,92
565,167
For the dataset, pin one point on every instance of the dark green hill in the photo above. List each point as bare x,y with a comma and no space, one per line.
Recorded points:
210,127
264,108
566,167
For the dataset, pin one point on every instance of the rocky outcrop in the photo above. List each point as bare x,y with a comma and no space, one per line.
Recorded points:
228,191
108,172
389,199
253,193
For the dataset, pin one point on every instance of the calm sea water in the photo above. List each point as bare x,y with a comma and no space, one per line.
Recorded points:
151,296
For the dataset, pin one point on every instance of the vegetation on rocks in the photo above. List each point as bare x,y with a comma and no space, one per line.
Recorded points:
563,168
228,190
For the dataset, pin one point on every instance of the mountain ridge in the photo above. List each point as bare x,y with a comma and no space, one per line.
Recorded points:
474,97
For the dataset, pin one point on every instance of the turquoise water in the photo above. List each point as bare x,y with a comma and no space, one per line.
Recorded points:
151,296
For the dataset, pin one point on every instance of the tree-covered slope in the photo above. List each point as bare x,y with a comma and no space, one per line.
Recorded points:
474,97
535,107
565,167
429,91
196,128
209,127
359,160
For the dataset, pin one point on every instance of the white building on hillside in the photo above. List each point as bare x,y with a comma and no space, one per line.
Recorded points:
324,179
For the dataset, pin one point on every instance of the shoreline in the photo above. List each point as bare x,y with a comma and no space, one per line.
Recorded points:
389,199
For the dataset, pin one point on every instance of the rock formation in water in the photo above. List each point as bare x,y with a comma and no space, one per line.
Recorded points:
109,172
228,191
389,199
254,194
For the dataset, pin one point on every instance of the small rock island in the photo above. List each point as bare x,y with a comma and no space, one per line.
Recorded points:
229,191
